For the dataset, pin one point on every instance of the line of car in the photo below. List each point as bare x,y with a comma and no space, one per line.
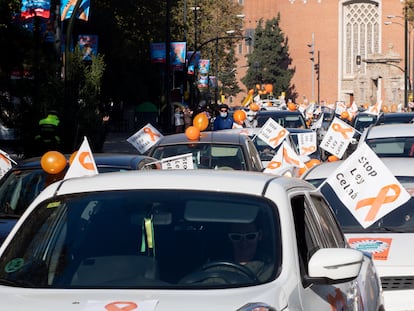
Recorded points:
185,212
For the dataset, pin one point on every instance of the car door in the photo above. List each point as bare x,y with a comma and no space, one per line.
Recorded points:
317,228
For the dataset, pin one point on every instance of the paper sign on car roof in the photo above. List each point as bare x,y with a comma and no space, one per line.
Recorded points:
366,186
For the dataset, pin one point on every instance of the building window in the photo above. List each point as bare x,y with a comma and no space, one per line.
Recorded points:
361,21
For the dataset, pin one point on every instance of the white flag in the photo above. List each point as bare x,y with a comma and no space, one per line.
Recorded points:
307,143
272,133
5,163
285,158
83,164
375,109
337,138
318,123
367,187
145,138
179,162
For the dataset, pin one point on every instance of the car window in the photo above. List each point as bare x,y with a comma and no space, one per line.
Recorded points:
206,156
144,239
392,146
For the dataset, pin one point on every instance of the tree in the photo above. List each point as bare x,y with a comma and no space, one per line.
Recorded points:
212,19
270,63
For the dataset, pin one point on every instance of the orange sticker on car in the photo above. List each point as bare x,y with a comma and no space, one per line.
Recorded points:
379,248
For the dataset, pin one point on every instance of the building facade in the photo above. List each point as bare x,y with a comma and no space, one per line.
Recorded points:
359,46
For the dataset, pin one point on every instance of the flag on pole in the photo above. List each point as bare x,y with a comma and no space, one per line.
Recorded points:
337,138
284,159
375,109
83,164
366,186
307,143
145,138
272,133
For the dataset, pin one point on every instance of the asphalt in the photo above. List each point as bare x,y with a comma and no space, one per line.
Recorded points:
117,142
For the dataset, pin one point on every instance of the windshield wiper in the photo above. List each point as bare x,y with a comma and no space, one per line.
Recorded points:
9,216
15,283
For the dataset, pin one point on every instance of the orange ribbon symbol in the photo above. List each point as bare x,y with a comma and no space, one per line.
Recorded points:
152,135
338,128
2,157
121,306
308,149
289,159
82,159
274,165
380,199
279,136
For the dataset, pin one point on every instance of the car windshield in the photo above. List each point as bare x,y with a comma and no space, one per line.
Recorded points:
206,156
392,146
400,219
287,121
363,121
145,239
20,187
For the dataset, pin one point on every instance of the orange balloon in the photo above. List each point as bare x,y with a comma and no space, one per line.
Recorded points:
393,108
312,162
258,86
385,108
269,88
254,107
291,106
239,116
332,158
200,121
192,133
365,106
345,115
72,157
53,162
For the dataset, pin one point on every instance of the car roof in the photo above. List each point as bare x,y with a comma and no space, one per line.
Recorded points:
396,117
202,180
220,137
279,112
391,130
397,166
120,160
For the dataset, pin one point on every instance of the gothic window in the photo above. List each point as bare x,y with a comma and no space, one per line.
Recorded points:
360,20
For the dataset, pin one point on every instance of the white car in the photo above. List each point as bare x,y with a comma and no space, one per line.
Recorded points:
183,240
388,240
390,140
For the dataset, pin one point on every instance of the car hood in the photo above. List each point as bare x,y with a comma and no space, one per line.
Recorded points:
144,300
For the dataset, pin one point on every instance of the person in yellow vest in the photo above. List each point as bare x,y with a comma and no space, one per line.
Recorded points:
48,137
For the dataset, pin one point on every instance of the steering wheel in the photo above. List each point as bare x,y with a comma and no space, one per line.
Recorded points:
241,274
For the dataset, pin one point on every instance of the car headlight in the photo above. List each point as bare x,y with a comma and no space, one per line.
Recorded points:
256,306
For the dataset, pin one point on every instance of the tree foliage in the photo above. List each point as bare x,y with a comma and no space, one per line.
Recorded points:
270,63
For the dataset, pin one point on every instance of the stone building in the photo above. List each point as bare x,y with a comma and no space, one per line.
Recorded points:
359,46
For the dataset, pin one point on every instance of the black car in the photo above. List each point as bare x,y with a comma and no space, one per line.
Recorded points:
286,118
22,183
395,117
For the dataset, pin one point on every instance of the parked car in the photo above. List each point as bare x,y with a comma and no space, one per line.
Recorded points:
286,118
183,240
21,184
387,239
213,150
390,140
362,120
